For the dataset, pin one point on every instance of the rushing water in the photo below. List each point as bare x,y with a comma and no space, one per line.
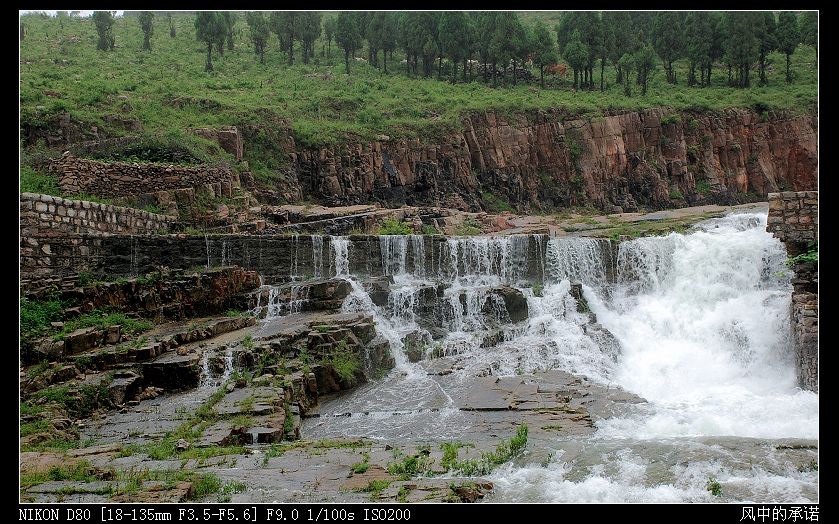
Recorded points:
700,326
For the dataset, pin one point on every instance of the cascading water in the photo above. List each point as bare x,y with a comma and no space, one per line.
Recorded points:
699,329
317,255
703,324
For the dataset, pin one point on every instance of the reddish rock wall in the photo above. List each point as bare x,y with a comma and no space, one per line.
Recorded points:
655,158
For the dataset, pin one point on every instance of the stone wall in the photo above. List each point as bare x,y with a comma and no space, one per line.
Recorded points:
50,215
794,219
119,179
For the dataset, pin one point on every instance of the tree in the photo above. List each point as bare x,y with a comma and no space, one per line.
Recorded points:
622,39
454,37
146,19
809,28
347,35
230,23
644,61
788,37
717,48
626,64
667,39
471,43
260,32
171,25
589,26
329,32
22,31
765,32
485,29
374,32
309,30
508,41
741,48
385,25
431,46
104,21
210,29
576,53
698,40
544,50
284,23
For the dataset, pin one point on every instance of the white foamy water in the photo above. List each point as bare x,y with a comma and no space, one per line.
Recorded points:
704,330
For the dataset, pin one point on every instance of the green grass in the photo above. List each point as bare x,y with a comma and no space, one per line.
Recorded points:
410,466
34,182
469,227
36,315
391,226
360,467
168,91
101,319
375,487
345,362
80,472
430,230
204,485
505,451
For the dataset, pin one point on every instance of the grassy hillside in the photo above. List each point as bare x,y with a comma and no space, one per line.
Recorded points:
62,70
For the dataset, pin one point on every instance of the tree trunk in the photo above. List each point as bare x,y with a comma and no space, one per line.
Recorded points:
146,43
514,72
542,75
439,67
494,75
575,78
464,70
619,76
602,66
347,59
291,50
454,72
762,67
384,58
261,54
220,48
209,66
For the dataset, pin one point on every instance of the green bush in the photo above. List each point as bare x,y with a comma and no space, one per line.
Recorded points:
670,119
494,203
391,226
34,182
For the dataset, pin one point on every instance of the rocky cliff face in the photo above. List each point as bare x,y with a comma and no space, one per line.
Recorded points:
655,158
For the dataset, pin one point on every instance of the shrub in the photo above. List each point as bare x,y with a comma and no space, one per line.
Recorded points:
391,226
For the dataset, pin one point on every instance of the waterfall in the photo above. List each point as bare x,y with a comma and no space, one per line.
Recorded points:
696,324
394,250
207,244
341,252
418,247
317,255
